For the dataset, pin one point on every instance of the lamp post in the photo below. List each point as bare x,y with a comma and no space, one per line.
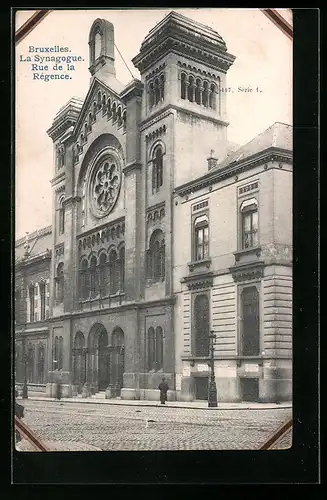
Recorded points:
212,391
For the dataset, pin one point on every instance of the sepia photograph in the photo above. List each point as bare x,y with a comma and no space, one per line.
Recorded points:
153,230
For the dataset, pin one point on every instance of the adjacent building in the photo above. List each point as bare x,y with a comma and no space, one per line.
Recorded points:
162,231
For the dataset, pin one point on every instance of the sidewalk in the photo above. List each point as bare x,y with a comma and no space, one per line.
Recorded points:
194,405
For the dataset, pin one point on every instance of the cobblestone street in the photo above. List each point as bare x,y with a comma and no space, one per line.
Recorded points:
137,428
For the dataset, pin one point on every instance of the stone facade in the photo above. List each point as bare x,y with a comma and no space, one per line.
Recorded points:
142,174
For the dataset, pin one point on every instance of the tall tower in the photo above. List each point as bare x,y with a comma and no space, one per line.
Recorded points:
183,66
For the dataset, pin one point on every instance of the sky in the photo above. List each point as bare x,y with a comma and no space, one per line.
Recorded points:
263,59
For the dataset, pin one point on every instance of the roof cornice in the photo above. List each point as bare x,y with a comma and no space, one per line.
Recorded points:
219,174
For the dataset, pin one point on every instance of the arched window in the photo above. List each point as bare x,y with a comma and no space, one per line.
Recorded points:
155,348
94,109
249,216
84,280
119,117
61,216
205,95
93,276
97,45
250,329
99,103
124,120
113,271
103,275
183,86
191,89
156,256
151,95
162,87
104,103
122,268
114,112
30,362
198,90
85,130
156,91
40,363
109,112
157,169
201,237
212,96
59,281
202,325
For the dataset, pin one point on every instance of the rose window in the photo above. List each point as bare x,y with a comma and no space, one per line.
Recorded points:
105,187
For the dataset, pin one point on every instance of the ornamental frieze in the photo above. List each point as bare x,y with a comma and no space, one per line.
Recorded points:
247,272
107,234
155,214
156,133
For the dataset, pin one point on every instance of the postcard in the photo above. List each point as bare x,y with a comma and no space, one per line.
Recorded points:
153,252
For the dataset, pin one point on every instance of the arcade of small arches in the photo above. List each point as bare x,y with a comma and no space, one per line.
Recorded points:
103,274
202,92
110,108
156,92
99,359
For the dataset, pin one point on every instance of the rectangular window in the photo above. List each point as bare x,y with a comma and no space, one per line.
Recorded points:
250,333
42,295
201,242
250,229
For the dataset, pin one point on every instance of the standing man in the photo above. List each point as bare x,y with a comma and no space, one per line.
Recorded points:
163,388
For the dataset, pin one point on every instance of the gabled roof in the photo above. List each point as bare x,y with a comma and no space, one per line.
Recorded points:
40,241
114,87
279,135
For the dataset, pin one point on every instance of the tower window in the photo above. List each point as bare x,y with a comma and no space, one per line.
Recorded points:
157,169
183,86
61,216
156,256
156,92
59,282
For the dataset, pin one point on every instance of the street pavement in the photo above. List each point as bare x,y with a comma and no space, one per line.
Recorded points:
72,425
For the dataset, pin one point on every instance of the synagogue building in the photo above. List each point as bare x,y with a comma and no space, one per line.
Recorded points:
162,232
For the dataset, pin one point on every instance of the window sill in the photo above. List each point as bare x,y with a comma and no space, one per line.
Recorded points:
247,251
199,263
121,293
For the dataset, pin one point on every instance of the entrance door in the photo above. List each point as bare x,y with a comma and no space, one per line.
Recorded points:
103,361
201,388
250,389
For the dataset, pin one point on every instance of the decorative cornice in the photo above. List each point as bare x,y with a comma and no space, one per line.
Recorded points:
214,176
156,117
156,133
107,233
202,72
248,271
60,189
199,281
155,213
156,71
